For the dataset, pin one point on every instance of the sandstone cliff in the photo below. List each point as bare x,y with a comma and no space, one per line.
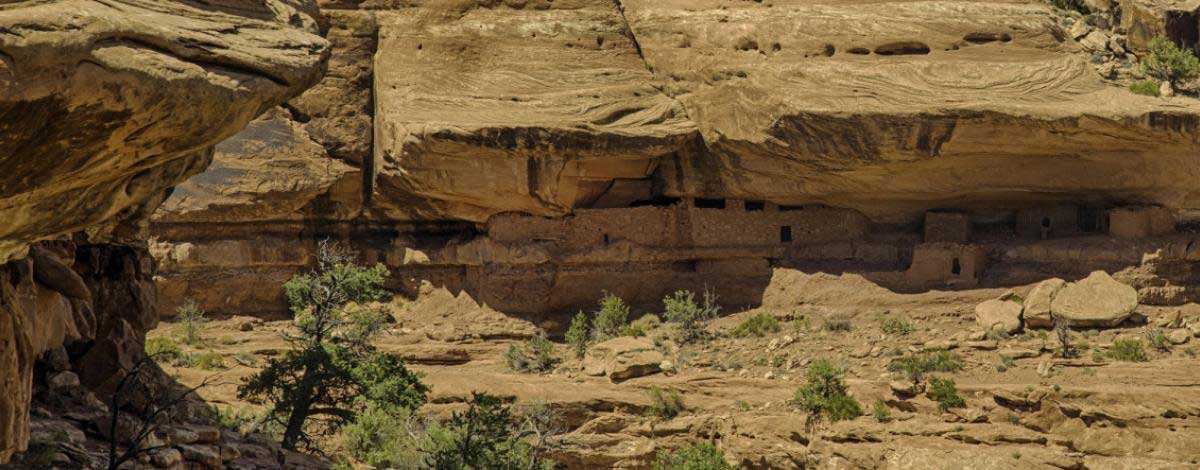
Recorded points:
105,106
826,131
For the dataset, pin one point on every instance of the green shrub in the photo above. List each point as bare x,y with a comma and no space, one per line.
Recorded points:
758,325
379,438
537,356
1005,364
208,360
824,393
702,456
896,326
191,321
882,413
578,335
610,319
838,324
1129,350
642,326
945,393
1166,61
1145,87
163,349
665,404
1157,339
915,366
488,435
689,317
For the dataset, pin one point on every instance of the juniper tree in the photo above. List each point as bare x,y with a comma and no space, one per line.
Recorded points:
332,370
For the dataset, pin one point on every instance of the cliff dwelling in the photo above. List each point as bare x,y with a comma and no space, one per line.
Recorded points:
599,234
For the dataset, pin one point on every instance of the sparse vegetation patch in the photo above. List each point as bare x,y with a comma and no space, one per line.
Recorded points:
824,394
757,325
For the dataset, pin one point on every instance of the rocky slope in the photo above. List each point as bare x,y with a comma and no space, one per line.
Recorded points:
106,106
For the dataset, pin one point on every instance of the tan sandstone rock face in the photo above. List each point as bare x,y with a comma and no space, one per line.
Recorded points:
537,110
106,105
1097,301
998,314
912,106
1037,303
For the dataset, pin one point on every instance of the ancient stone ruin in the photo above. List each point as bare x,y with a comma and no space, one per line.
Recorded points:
980,167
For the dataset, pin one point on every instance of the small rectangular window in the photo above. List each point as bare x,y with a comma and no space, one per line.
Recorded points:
710,203
785,234
752,206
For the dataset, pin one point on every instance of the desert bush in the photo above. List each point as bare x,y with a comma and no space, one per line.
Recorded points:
701,456
577,334
896,326
1005,364
163,349
610,319
332,371
191,321
1145,87
642,326
881,412
824,393
915,366
1062,331
487,435
1157,339
1075,5
537,356
690,317
944,392
1166,61
665,404
1129,350
838,324
207,360
380,438
758,325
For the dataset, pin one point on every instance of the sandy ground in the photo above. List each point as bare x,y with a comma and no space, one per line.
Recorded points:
1085,412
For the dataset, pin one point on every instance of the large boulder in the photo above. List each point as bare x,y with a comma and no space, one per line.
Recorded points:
623,358
106,106
999,314
1095,301
1037,303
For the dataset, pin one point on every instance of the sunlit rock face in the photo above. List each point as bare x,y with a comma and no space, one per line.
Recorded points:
104,107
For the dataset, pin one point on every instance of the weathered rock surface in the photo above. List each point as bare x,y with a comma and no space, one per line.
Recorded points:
1096,301
623,358
104,106
1037,303
107,105
999,314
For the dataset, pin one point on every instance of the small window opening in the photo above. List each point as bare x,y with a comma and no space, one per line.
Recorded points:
955,267
710,203
606,239
785,234
752,206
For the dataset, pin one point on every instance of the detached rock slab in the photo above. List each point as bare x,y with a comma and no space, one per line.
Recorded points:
1037,304
999,314
623,358
1096,301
